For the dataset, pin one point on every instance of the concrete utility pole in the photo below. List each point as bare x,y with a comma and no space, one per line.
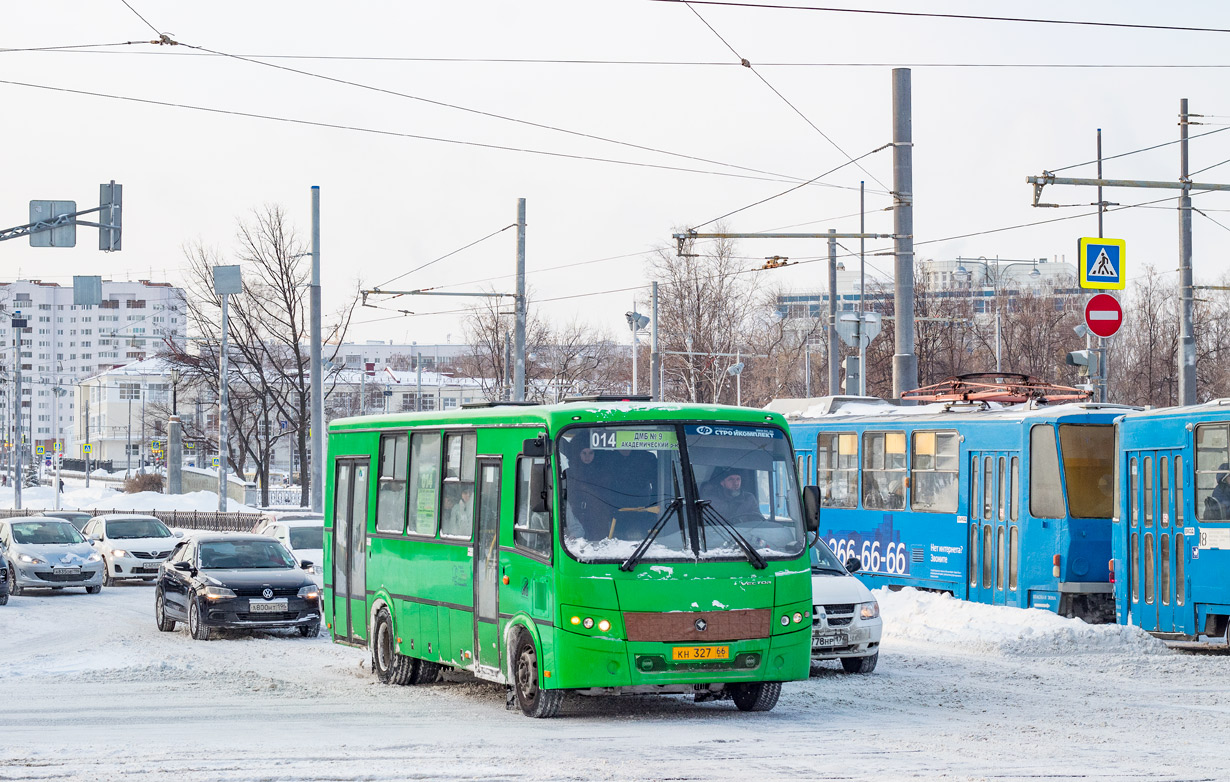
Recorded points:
834,358
317,416
655,358
19,323
1186,369
905,363
519,376
223,407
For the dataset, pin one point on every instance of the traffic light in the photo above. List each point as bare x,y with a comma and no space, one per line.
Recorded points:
1086,360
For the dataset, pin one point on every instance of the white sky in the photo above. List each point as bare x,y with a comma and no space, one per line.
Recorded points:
392,203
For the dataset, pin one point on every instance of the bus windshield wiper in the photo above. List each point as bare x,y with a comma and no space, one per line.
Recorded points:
671,509
708,512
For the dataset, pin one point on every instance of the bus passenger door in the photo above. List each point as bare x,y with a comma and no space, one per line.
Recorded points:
349,574
486,565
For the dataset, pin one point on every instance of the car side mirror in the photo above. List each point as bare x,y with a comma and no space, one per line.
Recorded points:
179,533
96,538
183,567
854,564
811,508
305,564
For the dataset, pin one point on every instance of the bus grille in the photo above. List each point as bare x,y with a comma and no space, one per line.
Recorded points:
682,626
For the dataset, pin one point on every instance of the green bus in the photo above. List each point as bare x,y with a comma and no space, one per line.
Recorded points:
594,546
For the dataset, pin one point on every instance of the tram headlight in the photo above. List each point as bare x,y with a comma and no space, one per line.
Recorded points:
869,610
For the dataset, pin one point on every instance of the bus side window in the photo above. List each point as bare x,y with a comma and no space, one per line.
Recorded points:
424,483
531,529
391,484
457,519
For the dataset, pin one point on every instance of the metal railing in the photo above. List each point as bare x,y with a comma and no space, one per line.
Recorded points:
204,521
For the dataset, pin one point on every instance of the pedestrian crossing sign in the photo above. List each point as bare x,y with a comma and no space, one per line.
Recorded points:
1102,263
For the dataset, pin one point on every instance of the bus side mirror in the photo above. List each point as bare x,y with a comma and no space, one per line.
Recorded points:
536,447
811,508
540,487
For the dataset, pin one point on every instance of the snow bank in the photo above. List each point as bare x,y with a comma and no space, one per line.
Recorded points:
100,497
1003,631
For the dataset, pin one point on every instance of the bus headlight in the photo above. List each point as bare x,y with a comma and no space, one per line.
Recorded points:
869,610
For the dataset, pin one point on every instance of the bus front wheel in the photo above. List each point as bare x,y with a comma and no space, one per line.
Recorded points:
533,700
755,696
389,666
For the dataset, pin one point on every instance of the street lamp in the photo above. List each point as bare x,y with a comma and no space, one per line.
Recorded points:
637,323
736,369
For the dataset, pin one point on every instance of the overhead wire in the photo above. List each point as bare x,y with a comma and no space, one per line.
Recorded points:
1136,151
449,254
416,136
964,17
747,64
142,18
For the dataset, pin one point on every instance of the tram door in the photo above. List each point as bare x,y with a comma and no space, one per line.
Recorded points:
993,548
1156,547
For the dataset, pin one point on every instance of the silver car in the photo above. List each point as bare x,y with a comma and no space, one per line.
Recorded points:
48,553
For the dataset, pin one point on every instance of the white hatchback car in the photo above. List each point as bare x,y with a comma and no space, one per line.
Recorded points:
304,537
845,620
132,546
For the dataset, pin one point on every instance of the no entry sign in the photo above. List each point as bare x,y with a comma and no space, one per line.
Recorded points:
1103,315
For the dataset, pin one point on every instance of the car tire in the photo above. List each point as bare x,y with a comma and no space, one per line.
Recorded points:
94,590
165,624
4,591
860,664
389,666
14,589
107,580
756,696
310,631
533,700
196,626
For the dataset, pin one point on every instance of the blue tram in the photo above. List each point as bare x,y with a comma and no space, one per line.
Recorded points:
1171,530
1007,505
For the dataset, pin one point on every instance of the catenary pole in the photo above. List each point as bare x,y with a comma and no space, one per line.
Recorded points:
655,358
905,363
834,380
519,374
317,416
862,281
223,407
1187,339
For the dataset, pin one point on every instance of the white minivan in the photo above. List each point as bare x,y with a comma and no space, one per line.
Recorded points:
845,619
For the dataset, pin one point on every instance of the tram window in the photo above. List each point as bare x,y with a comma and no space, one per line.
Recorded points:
1163,540
884,470
1088,467
1045,495
457,518
973,554
987,556
1134,555
1178,490
1001,493
1014,553
1148,566
1134,483
800,466
1116,483
973,487
531,530
1014,501
933,472
391,485
1163,480
424,483
1179,554
1212,472
1000,556
1148,482
988,481
837,469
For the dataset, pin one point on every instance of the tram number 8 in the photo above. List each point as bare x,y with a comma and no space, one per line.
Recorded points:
892,560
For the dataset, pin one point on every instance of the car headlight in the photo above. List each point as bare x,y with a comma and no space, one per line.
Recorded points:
95,557
869,610
309,592
213,593
119,552
29,560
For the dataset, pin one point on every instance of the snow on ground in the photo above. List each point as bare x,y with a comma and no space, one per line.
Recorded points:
103,497
89,689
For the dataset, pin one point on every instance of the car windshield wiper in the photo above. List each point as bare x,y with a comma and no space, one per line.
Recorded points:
671,509
707,512
819,569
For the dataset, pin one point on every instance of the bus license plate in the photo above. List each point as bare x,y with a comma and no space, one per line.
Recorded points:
700,653
271,607
832,639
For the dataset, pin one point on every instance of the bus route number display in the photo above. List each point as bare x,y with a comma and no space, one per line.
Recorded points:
633,440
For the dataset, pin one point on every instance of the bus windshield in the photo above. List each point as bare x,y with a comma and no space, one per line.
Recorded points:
619,482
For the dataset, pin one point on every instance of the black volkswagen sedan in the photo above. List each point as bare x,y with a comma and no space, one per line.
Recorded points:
237,581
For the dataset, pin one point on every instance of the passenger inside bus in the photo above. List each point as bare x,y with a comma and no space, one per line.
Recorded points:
1217,504
726,494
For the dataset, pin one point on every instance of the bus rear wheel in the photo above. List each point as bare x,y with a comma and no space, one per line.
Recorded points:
389,666
756,696
533,700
